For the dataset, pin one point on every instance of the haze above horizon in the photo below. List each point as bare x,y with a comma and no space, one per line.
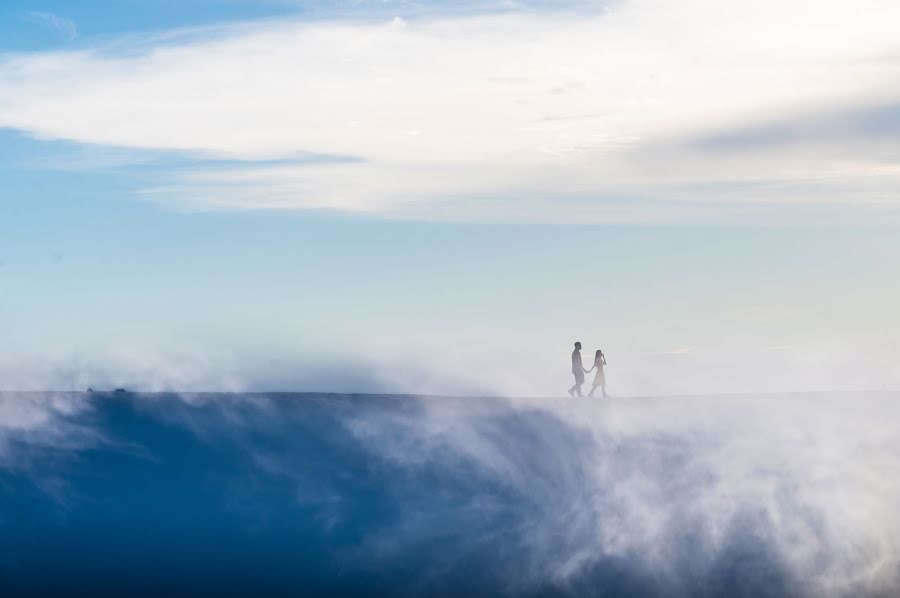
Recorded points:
442,197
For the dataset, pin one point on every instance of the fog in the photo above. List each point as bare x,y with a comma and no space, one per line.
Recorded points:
794,494
517,365
757,494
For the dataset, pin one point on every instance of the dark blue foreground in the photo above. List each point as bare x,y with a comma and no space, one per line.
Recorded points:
375,495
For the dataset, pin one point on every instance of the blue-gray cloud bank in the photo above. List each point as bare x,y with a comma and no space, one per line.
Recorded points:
389,495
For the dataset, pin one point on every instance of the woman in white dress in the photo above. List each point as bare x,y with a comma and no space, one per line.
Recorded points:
599,377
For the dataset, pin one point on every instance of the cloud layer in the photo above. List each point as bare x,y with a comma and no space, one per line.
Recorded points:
505,116
767,495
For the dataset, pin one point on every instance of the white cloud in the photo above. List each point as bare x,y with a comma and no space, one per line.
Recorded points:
767,494
529,366
506,106
672,487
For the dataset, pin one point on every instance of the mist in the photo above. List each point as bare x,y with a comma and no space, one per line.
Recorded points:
779,494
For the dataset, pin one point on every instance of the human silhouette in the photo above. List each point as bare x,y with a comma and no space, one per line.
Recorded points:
599,377
578,370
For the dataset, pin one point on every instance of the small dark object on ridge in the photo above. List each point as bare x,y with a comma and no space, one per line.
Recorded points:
120,391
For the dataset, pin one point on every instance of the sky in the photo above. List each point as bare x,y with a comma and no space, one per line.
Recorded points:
442,197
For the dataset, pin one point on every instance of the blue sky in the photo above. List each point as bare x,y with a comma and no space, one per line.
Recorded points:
442,197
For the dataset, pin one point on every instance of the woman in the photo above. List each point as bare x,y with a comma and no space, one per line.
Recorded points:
599,377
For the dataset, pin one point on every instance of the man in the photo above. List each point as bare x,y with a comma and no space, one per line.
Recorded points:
578,370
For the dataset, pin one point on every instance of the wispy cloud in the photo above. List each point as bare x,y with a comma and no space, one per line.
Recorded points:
736,478
772,495
48,19
548,114
777,495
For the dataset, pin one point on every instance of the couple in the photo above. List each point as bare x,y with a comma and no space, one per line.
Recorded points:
579,371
